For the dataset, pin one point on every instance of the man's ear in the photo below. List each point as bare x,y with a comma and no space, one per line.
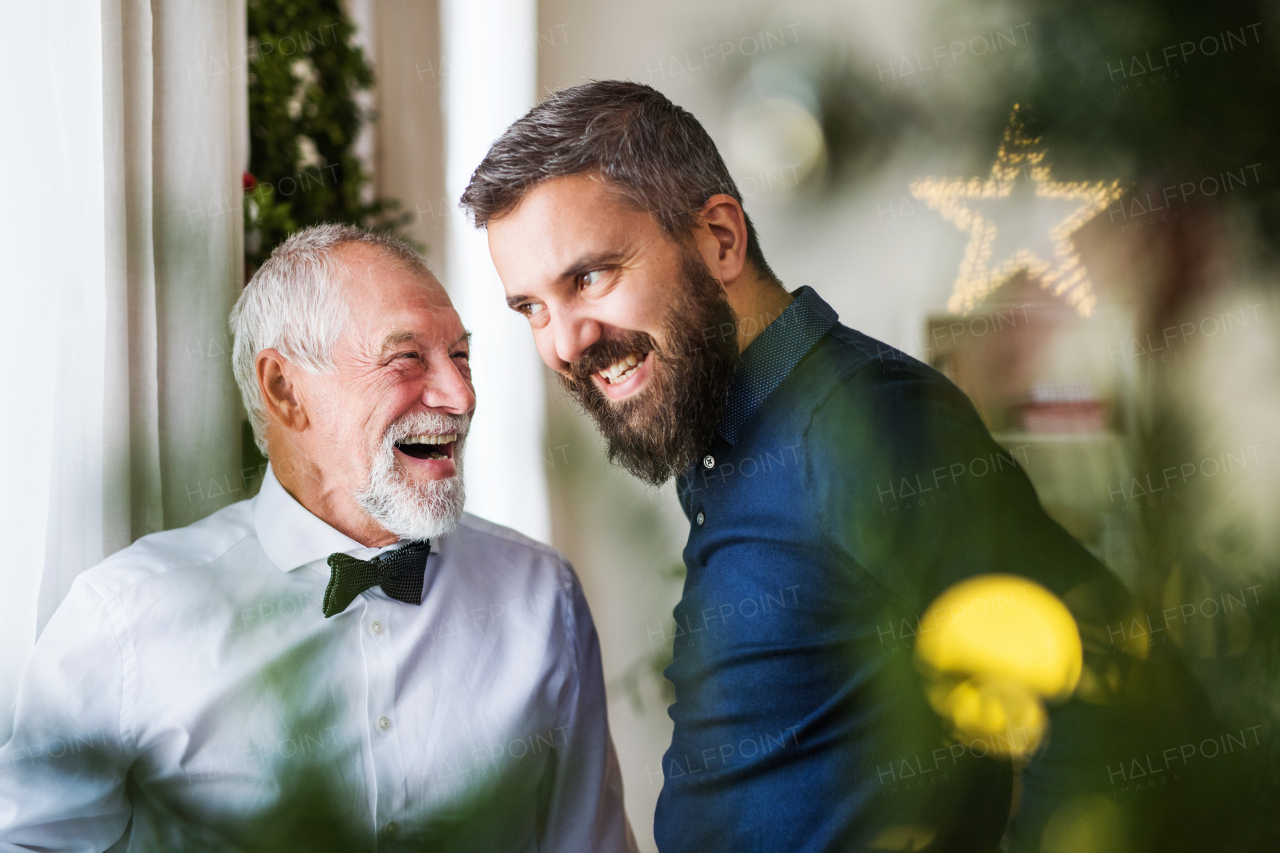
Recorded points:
722,237
280,394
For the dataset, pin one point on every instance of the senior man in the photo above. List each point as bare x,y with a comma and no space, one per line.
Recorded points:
346,661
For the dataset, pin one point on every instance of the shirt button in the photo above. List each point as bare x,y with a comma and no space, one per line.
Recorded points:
708,461
702,517
376,627
384,723
391,828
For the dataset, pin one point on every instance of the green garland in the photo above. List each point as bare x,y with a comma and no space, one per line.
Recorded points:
304,76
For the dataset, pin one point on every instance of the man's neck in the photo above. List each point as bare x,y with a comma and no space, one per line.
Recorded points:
307,484
756,303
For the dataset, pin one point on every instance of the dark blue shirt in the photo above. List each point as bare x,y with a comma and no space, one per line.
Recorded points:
847,486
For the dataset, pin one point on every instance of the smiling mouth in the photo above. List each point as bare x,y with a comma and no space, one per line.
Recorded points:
434,446
622,369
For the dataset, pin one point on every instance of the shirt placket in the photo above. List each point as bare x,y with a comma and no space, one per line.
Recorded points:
383,718
705,475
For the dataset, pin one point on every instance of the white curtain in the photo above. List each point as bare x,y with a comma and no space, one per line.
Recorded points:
121,230
490,47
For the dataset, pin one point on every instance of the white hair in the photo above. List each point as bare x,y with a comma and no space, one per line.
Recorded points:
295,303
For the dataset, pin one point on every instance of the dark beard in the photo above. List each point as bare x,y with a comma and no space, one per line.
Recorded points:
656,434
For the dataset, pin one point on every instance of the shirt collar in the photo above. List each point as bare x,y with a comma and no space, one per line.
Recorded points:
290,535
772,356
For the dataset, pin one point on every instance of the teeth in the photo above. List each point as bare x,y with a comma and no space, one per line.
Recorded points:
620,371
445,438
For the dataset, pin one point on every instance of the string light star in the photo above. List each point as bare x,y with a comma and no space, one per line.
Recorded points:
1063,273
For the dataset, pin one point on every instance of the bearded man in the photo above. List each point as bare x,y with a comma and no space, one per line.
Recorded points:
801,723
346,661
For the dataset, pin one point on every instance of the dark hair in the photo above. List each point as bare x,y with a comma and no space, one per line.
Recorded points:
654,153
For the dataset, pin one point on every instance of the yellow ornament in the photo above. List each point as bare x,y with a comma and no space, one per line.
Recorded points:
995,649
1004,627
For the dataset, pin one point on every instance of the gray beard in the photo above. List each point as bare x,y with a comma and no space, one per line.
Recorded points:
405,508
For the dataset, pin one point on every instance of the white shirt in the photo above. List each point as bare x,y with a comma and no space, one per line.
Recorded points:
191,682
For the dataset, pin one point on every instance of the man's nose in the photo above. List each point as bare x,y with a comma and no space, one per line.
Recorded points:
573,336
450,389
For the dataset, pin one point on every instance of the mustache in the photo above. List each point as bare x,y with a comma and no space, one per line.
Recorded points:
417,423
603,353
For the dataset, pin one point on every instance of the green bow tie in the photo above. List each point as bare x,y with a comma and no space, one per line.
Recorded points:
400,574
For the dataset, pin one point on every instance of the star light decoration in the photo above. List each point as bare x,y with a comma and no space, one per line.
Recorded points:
1064,274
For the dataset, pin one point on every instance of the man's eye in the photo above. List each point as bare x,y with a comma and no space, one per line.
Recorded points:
409,355
530,308
590,278
465,356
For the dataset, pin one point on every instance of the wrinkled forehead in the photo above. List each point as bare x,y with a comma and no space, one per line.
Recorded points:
388,297
563,222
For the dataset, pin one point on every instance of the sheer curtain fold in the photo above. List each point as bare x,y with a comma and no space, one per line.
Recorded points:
200,151
131,489
123,242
